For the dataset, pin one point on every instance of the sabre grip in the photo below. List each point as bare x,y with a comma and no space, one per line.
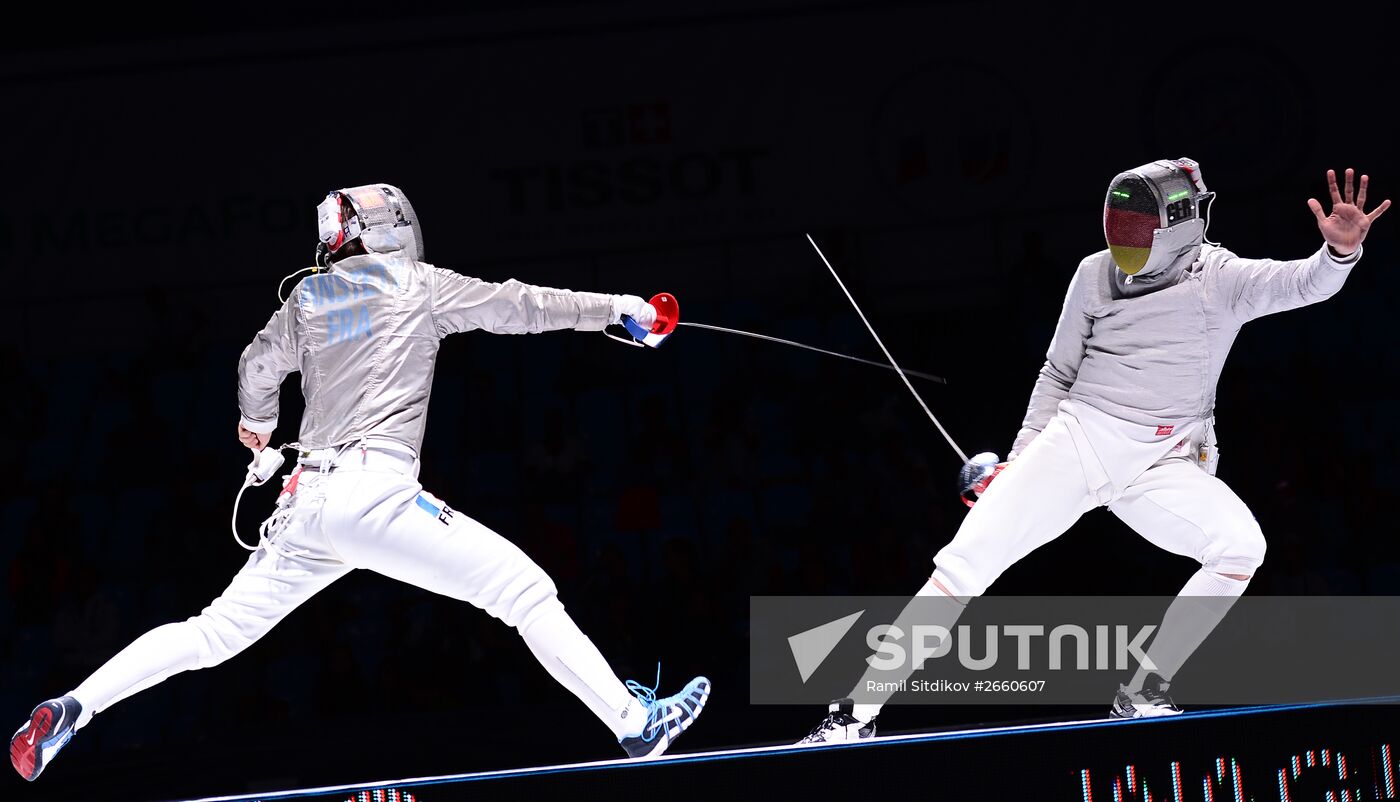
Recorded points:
634,328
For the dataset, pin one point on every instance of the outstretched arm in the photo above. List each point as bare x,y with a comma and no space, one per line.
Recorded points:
462,303
1061,364
266,361
1257,287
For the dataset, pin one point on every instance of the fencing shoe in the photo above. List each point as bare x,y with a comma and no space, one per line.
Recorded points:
1150,702
840,725
666,718
48,730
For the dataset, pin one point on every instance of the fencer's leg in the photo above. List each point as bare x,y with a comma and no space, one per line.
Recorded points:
1193,615
263,592
1033,501
1178,507
439,549
1030,503
574,662
937,608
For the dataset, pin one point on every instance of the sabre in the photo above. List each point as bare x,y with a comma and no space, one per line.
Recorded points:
668,318
872,363
888,356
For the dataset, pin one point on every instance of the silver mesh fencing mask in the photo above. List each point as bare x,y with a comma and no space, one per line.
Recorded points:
378,215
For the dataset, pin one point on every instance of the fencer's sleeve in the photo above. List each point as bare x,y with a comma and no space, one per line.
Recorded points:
1256,287
273,353
1061,361
462,303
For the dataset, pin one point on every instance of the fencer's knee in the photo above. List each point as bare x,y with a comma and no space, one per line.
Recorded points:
527,597
223,632
958,578
538,606
1237,549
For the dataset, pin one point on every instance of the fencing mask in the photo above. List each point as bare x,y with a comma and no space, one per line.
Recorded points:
378,215
1155,212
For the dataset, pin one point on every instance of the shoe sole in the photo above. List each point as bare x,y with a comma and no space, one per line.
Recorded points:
1138,713
27,753
662,744
857,739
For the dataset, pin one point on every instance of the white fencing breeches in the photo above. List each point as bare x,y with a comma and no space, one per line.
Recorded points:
1179,507
371,513
1173,504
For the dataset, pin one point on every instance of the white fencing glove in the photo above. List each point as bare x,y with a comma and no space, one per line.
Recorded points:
635,308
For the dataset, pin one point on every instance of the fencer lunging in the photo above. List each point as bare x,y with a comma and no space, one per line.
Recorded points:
1122,416
364,334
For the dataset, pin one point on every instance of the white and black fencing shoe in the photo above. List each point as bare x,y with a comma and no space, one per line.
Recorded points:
48,730
1150,702
666,718
840,725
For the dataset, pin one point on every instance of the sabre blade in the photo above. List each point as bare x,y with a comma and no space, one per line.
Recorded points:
804,346
961,454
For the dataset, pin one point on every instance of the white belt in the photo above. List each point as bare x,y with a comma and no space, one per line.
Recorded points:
360,457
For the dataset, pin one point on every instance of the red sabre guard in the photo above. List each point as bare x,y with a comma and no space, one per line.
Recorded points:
668,314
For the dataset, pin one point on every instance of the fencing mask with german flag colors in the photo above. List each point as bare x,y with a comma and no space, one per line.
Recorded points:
1154,213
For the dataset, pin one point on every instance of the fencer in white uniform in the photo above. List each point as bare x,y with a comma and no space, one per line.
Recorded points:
1122,416
364,334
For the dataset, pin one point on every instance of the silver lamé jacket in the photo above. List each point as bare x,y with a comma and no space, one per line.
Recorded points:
365,337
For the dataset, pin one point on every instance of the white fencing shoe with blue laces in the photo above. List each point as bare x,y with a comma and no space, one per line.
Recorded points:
666,718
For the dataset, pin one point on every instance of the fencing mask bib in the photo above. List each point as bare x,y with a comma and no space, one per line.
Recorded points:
1153,212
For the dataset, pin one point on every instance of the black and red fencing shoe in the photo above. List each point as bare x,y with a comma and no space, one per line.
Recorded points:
48,730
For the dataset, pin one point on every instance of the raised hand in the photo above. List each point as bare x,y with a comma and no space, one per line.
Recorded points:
1346,227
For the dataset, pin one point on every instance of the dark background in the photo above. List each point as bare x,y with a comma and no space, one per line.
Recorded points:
951,160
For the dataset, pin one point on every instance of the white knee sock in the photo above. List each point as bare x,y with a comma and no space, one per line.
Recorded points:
865,711
1201,605
572,659
150,659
